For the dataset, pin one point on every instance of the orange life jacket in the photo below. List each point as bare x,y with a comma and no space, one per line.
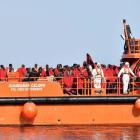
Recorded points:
99,72
125,70
36,69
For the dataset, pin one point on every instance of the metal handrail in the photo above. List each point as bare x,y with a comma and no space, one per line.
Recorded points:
132,46
88,84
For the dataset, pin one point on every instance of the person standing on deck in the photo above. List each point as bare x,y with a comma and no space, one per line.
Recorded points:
126,71
110,79
68,81
47,70
60,70
34,74
22,71
36,67
84,69
98,74
56,71
10,69
2,70
42,72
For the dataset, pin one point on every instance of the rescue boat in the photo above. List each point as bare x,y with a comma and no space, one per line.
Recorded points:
44,102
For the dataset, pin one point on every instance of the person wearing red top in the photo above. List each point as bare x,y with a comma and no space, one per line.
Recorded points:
64,71
104,69
51,73
80,81
47,70
68,81
81,74
110,79
5,72
115,71
2,73
21,71
56,71
84,71
75,71
76,74
42,72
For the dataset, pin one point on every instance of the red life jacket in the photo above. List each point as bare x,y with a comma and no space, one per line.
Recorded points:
84,71
56,70
80,79
5,72
109,74
76,72
104,70
51,73
43,73
113,66
117,71
21,71
68,82
2,74
64,74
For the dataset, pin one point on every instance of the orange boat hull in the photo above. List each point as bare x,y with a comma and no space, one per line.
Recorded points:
72,114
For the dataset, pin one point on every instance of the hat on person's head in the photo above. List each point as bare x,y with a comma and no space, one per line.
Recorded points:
98,65
127,64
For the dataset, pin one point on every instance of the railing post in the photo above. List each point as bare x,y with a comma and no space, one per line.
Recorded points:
84,86
129,52
134,45
105,84
133,87
91,86
77,84
119,86
88,87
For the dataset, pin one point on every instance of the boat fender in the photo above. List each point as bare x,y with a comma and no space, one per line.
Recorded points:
29,110
137,104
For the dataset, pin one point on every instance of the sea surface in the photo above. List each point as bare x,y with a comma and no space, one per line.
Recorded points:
70,132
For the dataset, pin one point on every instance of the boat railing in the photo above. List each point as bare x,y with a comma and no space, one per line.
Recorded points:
84,85
133,46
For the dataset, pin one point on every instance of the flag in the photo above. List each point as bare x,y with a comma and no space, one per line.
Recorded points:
89,60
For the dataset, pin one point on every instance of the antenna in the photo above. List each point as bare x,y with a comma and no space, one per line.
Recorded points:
122,36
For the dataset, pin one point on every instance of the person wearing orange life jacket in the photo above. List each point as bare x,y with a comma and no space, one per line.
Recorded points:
126,71
98,74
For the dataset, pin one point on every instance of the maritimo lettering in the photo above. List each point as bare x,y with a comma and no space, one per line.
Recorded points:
90,94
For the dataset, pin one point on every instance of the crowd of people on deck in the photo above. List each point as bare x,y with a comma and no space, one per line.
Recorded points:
72,74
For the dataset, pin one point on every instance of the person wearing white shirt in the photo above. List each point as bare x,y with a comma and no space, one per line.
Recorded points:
97,76
125,71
